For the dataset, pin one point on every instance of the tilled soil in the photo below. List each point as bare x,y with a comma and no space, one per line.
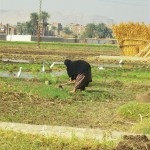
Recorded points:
54,51
131,142
53,54
93,56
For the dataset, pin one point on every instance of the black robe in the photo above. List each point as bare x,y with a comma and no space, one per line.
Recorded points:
74,68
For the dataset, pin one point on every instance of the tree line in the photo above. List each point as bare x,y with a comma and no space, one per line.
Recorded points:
91,30
97,31
31,26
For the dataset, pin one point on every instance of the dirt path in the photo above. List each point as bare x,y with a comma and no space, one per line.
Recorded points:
116,59
93,59
67,132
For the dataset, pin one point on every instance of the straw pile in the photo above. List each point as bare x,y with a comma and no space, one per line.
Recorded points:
133,38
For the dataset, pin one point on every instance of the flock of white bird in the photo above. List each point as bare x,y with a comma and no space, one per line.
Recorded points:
52,65
43,66
120,64
42,70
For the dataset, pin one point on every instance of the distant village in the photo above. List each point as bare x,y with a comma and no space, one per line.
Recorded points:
72,30
54,29
56,32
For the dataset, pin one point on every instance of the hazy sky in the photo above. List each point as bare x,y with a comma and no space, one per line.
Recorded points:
118,10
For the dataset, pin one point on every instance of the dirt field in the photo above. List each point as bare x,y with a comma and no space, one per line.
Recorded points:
56,52
139,142
59,53
31,101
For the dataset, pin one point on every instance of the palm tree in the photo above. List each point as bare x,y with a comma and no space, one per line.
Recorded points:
44,18
34,22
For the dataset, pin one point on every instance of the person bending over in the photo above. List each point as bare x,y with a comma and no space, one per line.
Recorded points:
80,73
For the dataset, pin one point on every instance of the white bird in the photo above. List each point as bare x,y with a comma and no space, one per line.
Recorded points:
52,65
43,68
101,68
19,72
121,61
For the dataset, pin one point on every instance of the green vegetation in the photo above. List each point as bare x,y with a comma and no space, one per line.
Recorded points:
133,110
32,101
59,45
18,141
143,127
31,26
139,112
67,30
97,31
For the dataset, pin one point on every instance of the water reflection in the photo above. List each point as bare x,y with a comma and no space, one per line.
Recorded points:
29,75
23,75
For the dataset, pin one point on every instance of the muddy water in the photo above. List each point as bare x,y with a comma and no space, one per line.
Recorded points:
23,75
29,75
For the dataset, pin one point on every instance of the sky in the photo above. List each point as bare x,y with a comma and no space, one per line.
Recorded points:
117,10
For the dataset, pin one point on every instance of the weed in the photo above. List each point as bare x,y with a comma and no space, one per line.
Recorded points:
13,140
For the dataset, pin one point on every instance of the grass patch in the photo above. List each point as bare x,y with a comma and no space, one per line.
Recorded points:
143,127
32,101
36,87
27,108
13,140
133,110
57,44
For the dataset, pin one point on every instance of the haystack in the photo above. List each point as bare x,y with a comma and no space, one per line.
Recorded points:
133,38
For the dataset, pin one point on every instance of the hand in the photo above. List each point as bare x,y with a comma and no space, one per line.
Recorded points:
72,81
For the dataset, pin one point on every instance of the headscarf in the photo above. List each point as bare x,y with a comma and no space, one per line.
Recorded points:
67,62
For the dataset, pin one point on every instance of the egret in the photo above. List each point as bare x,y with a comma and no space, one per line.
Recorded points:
43,68
19,72
52,65
121,61
101,68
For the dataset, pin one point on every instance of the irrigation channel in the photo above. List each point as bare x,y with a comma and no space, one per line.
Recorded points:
29,75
